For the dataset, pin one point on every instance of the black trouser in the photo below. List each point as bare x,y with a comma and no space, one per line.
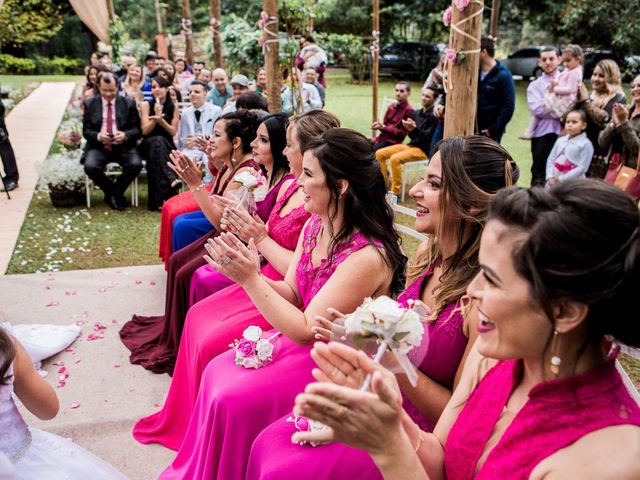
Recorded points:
6,152
97,159
378,145
540,149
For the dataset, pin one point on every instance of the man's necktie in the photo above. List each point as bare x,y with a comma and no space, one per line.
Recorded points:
197,113
109,124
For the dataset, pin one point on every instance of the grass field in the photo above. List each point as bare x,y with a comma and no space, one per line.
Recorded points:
81,238
16,81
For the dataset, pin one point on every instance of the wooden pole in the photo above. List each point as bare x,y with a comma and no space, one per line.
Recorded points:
186,16
375,61
271,56
161,40
309,18
216,25
462,84
495,18
110,9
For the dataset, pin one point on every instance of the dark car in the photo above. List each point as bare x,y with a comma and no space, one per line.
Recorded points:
524,62
592,57
408,59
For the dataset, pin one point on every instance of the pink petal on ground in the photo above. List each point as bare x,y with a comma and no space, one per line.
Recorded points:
92,336
59,363
102,290
99,326
69,349
70,292
138,282
80,322
77,360
114,321
74,405
152,282
116,366
62,369
61,384
53,304
47,287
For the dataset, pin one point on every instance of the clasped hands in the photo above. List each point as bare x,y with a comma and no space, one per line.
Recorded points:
229,256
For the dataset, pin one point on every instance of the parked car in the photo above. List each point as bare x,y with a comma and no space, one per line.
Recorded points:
592,57
524,62
408,59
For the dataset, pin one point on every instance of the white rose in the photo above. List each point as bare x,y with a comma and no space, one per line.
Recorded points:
409,332
260,193
264,349
386,310
251,363
359,321
252,333
246,179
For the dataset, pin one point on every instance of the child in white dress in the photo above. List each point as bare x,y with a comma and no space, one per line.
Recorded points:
33,453
562,91
571,154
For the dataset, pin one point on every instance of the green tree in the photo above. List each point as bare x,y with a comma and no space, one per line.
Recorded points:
29,21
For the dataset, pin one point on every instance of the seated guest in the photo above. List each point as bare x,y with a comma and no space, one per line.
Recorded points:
170,67
420,127
222,91
252,101
540,395
196,125
159,121
308,95
204,75
146,87
132,84
111,126
342,185
310,76
90,87
466,173
240,85
149,66
181,74
127,62
392,130
260,85
159,63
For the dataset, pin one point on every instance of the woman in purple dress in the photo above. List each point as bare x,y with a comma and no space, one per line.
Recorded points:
540,396
349,237
452,203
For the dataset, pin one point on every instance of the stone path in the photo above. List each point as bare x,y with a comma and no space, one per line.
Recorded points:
32,125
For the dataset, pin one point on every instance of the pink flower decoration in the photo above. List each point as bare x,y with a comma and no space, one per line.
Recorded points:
246,348
446,17
461,4
450,55
262,41
302,424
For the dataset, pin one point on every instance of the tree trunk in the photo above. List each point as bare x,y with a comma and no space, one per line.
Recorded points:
271,57
309,18
186,16
462,92
375,61
495,18
216,26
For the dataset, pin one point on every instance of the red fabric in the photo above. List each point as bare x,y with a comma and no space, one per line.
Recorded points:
393,131
109,123
183,203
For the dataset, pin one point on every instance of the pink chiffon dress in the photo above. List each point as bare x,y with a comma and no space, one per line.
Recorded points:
210,326
234,403
558,413
441,351
206,280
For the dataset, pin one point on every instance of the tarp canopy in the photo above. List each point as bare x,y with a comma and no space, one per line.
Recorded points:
94,14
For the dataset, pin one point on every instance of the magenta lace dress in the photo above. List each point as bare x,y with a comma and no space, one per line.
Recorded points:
210,326
234,403
207,281
441,351
558,413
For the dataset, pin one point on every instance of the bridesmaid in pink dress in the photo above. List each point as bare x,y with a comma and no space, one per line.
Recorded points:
481,169
350,236
266,150
210,334
540,396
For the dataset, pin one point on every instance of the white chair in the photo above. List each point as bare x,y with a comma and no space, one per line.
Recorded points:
393,202
411,170
112,170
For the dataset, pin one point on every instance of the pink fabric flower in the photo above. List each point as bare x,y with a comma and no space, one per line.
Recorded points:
450,55
302,424
262,41
246,348
446,17
461,4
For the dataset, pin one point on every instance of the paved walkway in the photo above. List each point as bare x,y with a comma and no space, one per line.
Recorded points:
32,125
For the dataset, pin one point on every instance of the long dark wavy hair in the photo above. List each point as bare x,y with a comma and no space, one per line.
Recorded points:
344,154
277,127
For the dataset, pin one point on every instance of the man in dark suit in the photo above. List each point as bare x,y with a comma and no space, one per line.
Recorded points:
111,126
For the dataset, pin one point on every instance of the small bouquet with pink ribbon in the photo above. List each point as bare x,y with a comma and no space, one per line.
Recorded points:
253,351
70,139
304,424
253,189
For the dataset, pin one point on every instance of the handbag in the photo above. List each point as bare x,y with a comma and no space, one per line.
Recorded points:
625,178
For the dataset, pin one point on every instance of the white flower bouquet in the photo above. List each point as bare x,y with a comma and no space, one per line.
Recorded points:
253,189
62,170
253,351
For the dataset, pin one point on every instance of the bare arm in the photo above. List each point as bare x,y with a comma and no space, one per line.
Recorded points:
146,122
33,391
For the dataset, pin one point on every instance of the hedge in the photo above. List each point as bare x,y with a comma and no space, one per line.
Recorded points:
40,65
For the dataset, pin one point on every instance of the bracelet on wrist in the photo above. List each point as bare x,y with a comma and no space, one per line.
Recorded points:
198,188
260,237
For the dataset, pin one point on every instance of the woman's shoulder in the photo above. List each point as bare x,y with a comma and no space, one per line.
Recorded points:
596,455
284,187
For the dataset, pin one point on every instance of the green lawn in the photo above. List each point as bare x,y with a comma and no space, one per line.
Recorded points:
17,81
81,238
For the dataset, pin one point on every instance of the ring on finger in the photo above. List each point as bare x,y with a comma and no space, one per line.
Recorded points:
342,412
226,260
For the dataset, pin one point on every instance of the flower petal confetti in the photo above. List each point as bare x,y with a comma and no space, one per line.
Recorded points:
74,405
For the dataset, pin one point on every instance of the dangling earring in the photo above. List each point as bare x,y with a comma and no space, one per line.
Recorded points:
555,359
